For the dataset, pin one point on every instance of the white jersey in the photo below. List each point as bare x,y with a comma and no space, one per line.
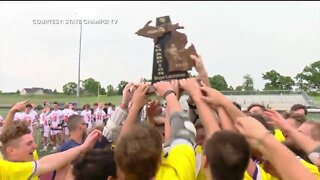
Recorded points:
99,114
55,118
29,118
17,116
34,113
66,113
87,116
44,119
110,112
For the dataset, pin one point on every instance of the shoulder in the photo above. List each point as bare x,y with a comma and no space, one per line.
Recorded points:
68,145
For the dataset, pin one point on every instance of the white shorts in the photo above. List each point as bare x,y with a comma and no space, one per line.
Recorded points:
55,132
46,131
99,122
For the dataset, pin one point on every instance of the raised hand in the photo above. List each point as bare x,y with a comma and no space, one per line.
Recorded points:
162,87
277,119
91,140
200,68
191,86
139,97
127,93
198,64
20,106
212,97
176,88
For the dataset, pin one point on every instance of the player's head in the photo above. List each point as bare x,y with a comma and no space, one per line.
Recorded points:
55,105
97,164
138,153
86,106
299,109
256,108
226,156
17,142
28,108
100,105
77,125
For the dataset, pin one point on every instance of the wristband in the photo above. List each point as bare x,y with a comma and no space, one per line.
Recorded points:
169,92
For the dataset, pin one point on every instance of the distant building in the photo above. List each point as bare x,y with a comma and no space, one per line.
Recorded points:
35,91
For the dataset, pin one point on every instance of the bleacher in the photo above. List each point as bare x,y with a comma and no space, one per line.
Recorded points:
277,101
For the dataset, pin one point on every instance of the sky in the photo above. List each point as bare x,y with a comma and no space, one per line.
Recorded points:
234,39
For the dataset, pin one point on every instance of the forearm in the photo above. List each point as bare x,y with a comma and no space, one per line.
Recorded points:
207,117
225,121
280,157
130,121
9,119
232,111
173,104
58,160
203,76
114,124
304,142
167,127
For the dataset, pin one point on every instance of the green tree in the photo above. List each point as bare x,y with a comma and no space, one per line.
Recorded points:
18,91
248,83
102,91
90,85
309,78
70,88
277,81
218,82
111,91
121,86
55,91
239,88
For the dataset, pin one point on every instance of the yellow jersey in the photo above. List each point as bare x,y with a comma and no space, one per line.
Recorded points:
179,163
199,171
279,136
17,170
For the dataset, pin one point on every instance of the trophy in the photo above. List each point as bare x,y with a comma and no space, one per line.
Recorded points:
171,60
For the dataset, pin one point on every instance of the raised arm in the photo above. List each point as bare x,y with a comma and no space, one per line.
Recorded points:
301,140
206,114
112,129
138,101
200,68
276,153
215,99
181,127
55,161
20,106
